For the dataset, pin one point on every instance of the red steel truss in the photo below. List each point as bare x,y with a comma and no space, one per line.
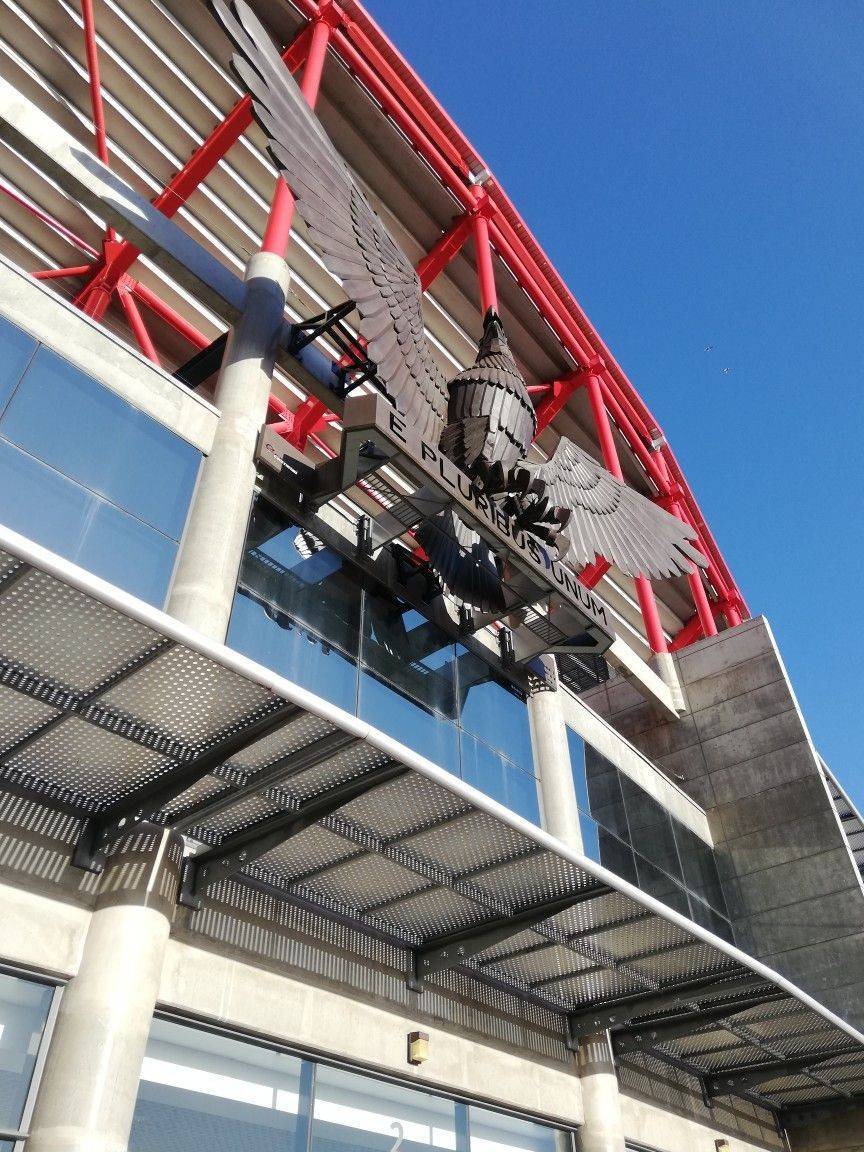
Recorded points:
487,216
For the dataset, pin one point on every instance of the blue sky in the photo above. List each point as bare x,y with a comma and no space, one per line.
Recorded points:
696,173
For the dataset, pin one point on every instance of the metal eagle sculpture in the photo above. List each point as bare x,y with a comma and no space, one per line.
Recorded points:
483,419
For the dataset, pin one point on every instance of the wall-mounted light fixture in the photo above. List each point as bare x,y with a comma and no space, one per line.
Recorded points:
418,1047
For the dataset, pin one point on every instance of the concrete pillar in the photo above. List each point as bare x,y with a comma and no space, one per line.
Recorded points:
558,810
664,665
87,1096
603,1129
211,551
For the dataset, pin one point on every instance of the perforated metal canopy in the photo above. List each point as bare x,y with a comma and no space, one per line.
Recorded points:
116,714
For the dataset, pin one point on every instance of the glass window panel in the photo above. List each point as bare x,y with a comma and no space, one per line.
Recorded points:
650,828
24,1009
203,1091
297,608
708,918
493,1132
49,508
295,579
87,432
293,652
699,867
660,885
617,856
436,737
354,1112
605,799
6,1146
488,771
493,711
409,652
576,747
16,350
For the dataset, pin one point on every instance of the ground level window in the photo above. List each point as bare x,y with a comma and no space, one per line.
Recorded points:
202,1091
26,1008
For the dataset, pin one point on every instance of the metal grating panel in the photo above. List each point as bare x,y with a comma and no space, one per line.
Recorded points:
472,841
21,715
80,756
42,624
187,695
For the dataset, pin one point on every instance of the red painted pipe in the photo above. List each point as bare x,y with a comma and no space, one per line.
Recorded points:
278,229
485,268
136,323
96,105
448,245
61,273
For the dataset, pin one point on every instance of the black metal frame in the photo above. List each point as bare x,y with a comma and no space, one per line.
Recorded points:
603,1017
236,852
737,1080
355,367
203,364
455,948
145,803
626,1042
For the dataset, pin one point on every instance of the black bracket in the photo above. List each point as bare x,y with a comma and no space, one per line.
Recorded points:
648,1036
236,852
606,1016
143,805
456,947
203,364
733,1081
354,367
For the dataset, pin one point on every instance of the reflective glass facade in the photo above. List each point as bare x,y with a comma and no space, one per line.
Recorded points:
301,610
631,834
87,475
201,1090
25,1006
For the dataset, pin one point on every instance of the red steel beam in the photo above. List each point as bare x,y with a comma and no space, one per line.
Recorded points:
194,172
689,633
277,233
485,267
446,247
136,323
644,591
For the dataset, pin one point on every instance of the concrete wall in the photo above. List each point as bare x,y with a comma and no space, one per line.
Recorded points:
744,753
841,1133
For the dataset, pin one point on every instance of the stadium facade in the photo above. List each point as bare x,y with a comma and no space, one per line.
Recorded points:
298,848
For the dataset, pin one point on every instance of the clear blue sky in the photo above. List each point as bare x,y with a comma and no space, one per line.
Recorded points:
696,173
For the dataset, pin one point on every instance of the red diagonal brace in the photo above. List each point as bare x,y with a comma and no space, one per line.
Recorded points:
594,573
555,397
444,249
197,168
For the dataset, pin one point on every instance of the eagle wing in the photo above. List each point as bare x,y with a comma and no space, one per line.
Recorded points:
611,520
352,239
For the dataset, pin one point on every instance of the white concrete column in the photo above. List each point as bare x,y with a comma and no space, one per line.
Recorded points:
558,811
603,1130
664,663
90,1083
211,551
